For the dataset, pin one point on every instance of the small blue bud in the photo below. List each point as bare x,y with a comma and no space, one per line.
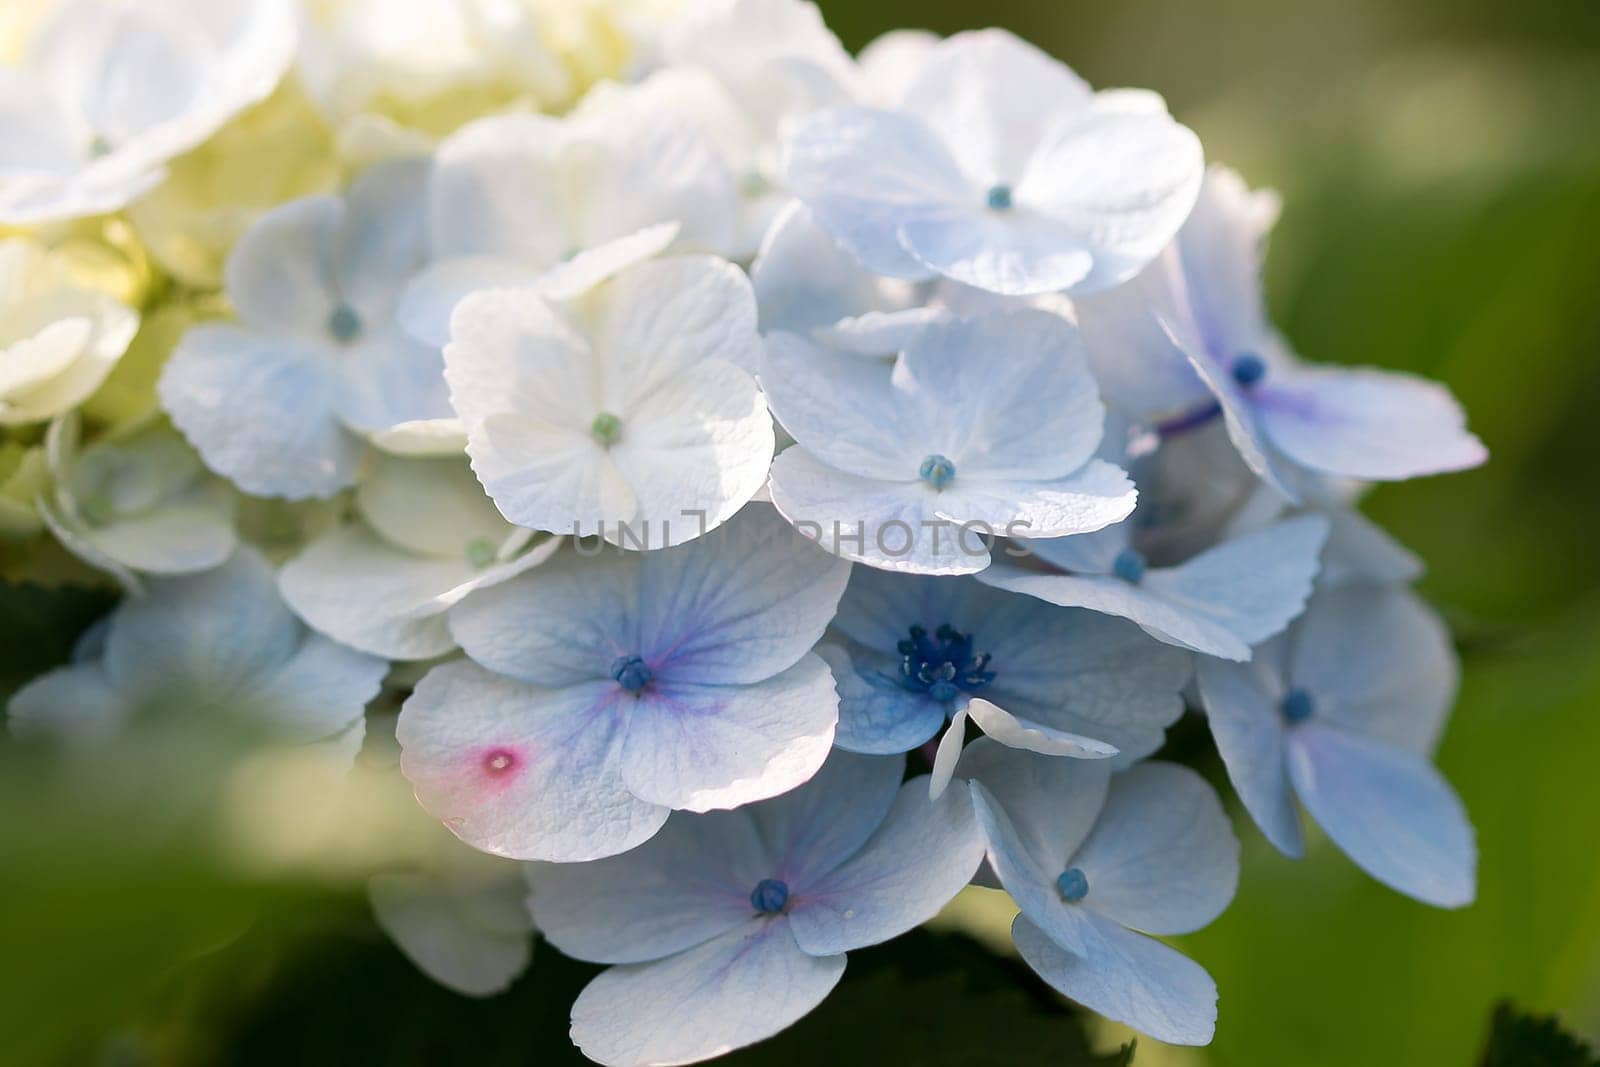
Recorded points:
770,896
1073,885
937,471
1129,566
1298,706
344,324
1248,369
632,673
1000,198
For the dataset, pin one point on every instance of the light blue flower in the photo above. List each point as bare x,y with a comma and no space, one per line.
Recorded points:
603,691
1096,862
1001,170
1343,712
729,927
913,652
280,402
219,643
985,425
1189,341
1220,602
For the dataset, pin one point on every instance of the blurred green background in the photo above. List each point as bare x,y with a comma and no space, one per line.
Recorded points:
1440,164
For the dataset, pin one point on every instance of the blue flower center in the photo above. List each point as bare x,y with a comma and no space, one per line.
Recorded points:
1248,369
944,666
937,471
344,325
1073,885
770,896
1129,566
1298,706
1000,198
632,673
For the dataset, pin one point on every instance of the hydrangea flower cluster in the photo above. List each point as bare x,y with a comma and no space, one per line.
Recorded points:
785,487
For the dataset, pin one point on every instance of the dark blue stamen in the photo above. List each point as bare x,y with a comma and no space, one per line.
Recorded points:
937,471
944,666
1073,885
770,896
344,324
1298,706
1129,566
1248,369
632,673
1000,198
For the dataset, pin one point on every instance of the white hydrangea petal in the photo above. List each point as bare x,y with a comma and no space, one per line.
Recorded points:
863,173
695,450
423,438
1090,499
843,410
1007,396
892,62
739,605
258,413
804,280
1242,707
890,525
925,853
430,506
878,716
191,533
702,747
280,275
947,755
606,260
1025,875
1377,661
666,316
1389,810
520,771
1128,977
1123,179
686,885
1019,253
441,930
1368,424
78,701
882,334
989,95
431,296
698,1004
362,591
1017,732
499,188
811,830
1163,857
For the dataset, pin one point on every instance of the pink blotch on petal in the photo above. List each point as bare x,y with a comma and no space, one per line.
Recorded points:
499,764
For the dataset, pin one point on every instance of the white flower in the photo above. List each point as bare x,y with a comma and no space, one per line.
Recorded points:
1189,341
628,412
426,538
1001,170
137,502
521,200
110,90
219,643
278,403
984,425
58,339
1344,713
729,927
1095,865
600,693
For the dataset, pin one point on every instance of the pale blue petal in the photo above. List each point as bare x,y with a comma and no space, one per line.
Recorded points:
519,771
1390,810
472,937
730,992
1050,804
1029,878
1022,253
878,716
925,852
1359,550
1162,858
430,298
280,275
1128,977
686,885
1242,702
1090,553
1377,662
318,692
804,281
814,829
73,702
703,747
384,240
